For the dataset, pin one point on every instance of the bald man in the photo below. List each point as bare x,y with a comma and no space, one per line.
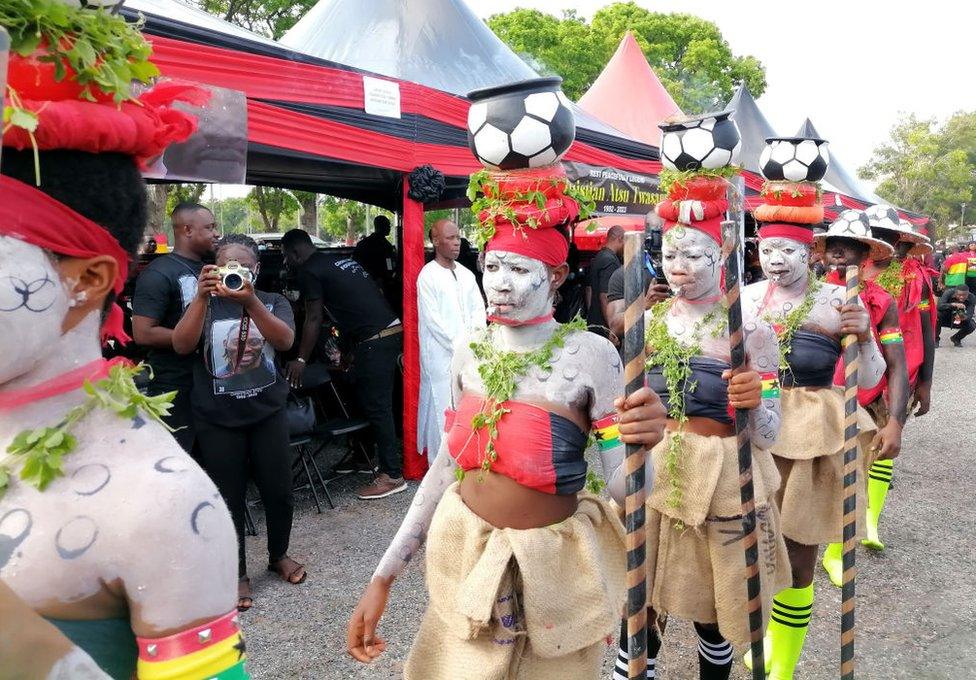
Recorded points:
450,308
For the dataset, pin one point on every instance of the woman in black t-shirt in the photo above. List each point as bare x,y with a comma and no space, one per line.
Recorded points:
238,399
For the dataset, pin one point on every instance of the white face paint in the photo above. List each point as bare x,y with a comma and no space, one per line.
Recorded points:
783,260
518,288
33,304
692,263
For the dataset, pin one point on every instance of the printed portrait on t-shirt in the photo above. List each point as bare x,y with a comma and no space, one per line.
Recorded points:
241,368
188,289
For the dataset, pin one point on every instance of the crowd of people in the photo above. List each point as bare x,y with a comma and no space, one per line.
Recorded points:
123,503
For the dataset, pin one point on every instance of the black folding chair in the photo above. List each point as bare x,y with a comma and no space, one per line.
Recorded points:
318,382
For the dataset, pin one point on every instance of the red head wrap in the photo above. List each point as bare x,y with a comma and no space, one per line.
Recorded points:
32,216
698,203
141,129
796,232
531,230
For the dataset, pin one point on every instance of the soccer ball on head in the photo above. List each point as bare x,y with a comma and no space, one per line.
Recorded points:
884,217
851,224
794,159
707,142
522,125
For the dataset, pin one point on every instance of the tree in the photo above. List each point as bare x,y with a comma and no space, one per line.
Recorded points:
342,219
233,215
921,168
308,201
267,17
272,205
689,54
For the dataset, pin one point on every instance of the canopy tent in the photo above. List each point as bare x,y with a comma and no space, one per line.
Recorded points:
629,96
308,129
437,43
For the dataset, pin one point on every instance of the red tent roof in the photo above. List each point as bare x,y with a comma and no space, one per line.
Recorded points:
629,96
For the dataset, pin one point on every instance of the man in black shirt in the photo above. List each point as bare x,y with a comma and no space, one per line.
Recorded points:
606,262
363,316
376,254
163,291
955,308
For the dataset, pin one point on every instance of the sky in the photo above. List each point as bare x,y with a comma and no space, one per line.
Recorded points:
852,67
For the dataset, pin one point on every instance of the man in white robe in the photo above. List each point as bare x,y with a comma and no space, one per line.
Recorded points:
450,307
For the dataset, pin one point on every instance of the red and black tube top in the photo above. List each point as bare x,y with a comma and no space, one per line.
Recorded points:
536,448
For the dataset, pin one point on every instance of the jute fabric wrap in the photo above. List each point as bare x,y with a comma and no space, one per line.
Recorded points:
696,565
509,603
809,454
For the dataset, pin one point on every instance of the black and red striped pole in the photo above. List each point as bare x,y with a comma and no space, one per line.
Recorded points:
733,231
634,511
848,599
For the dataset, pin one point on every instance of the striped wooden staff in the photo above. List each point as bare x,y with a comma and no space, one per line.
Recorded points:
848,600
634,512
732,235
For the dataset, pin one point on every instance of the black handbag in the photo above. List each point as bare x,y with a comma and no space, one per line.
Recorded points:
300,412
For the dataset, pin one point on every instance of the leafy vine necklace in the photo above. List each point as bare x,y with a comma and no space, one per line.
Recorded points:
786,325
500,372
674,359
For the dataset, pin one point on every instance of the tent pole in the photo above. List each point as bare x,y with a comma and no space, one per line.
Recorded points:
412,247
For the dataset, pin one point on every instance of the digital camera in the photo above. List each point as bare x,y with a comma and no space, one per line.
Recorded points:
234,275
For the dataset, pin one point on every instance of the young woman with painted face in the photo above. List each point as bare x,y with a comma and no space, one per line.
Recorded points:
848,242
238,398
810,319
525,572
130,548
694,570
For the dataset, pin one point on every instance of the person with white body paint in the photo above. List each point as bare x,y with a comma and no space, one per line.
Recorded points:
810,318
525,571
108,529
449,308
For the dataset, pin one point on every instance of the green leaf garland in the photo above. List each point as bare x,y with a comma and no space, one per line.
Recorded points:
674,358
786,325
39,452
500,372
892,279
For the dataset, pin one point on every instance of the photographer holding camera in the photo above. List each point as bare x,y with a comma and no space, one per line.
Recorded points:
657,289
238,396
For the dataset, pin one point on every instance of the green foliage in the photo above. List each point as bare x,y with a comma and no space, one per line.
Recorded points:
674,359
39,452
272,204
105,52
689,54
928,168
788,324
183,193
891,279
267,17
500,372
669,178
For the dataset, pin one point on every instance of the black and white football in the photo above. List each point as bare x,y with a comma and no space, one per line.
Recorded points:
707,142
794,159
521,130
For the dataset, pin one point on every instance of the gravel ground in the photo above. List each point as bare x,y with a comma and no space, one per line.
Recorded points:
916,601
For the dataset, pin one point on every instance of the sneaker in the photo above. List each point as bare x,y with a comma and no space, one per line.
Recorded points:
353,462
956,342
382,486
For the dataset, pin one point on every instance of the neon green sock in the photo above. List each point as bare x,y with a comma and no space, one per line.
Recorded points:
788,624
879,479
833,563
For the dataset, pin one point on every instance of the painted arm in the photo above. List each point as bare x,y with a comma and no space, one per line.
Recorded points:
610,424
762,356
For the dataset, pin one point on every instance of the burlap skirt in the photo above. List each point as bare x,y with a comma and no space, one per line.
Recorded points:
809,455
527,604
696,561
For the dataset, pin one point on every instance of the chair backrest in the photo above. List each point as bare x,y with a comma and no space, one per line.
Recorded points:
315,376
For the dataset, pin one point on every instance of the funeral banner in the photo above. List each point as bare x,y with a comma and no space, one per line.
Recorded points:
615,192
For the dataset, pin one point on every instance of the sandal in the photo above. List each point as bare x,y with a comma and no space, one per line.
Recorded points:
244,599
289,575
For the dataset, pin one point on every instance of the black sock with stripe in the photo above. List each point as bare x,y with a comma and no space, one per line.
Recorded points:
714,653
653,647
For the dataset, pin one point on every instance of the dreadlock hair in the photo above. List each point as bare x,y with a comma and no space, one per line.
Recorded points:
240,240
